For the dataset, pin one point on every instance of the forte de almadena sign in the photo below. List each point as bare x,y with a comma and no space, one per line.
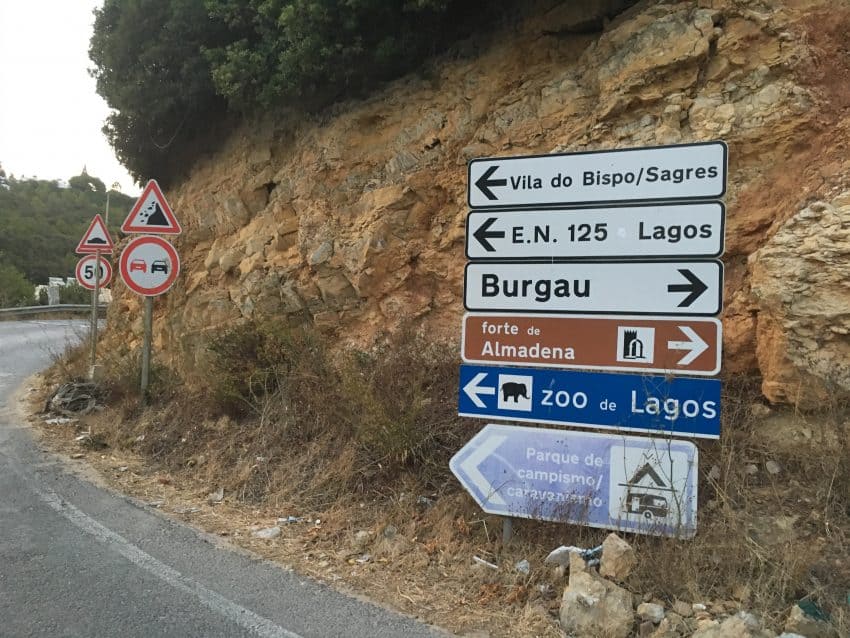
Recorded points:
592,290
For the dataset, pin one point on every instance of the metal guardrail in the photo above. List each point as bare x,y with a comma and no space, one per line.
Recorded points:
27,311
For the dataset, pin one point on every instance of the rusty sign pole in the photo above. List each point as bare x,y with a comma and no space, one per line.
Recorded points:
94,299
146,348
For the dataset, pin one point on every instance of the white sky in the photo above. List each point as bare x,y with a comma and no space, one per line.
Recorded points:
50,115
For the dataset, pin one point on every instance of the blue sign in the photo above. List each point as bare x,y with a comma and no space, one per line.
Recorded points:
632,402
636,484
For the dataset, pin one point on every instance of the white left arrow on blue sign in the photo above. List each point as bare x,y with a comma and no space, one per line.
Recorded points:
474,391
470,467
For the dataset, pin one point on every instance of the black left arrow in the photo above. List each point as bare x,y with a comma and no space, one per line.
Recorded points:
484,182
695,286
482,235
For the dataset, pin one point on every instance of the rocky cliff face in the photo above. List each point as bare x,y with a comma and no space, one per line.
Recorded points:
355,222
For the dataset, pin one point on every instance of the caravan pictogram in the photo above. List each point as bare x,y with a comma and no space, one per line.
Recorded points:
653,485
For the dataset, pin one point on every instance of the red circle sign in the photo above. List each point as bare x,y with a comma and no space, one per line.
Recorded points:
149,265
85,272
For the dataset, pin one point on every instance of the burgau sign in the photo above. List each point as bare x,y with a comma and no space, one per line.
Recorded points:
614,287
686,171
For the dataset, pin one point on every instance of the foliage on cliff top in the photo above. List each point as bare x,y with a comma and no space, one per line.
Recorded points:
177,71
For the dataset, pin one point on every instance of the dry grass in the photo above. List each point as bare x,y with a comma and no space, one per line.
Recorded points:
354,440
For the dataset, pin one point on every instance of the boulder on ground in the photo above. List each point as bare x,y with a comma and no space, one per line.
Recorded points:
593,607
618,558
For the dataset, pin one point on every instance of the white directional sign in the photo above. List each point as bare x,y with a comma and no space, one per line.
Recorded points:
687,171
626,287
661,230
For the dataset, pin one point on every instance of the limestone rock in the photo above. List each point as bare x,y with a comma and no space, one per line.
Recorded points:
799,281
618,558
653,612
592,606
741,625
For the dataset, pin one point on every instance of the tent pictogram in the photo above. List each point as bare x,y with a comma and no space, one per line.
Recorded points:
96,238
151,214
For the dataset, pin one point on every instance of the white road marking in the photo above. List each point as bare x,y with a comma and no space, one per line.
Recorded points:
213,601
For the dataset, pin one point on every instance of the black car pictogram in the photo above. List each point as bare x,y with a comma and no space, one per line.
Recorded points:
159,265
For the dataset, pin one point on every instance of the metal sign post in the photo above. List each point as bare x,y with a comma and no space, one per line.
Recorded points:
149,265
146,348
94,299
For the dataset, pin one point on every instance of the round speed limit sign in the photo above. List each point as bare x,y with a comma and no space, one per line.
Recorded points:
86,272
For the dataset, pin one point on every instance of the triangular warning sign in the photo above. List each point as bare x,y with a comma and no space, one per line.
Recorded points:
96,238
151,214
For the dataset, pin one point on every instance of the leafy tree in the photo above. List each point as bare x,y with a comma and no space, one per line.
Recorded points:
150,69
15,290
178,73
292,49
85,182
42,224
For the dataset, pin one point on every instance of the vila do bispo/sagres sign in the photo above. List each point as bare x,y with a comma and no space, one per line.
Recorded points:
686,171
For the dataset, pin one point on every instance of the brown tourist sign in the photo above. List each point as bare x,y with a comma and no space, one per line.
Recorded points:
685,345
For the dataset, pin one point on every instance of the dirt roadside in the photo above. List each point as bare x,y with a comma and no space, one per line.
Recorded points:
768,531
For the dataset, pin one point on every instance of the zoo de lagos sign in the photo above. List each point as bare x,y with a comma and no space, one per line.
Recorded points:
674,406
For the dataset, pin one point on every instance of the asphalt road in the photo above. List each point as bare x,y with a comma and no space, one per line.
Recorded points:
76,560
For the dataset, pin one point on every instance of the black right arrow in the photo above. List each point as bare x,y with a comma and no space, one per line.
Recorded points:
482,235
695,286
484,182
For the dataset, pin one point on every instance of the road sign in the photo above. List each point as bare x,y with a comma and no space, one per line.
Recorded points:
613,287
149,265
629,402
687,171
660,230
86,274
632,344
96,238
634,484
151,214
